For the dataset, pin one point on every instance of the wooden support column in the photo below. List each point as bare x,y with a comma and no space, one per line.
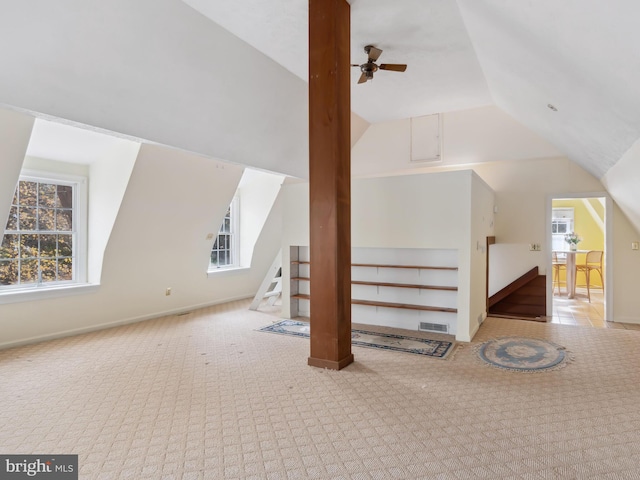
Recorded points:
330,183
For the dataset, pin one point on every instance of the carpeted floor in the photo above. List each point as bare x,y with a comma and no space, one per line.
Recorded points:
205,396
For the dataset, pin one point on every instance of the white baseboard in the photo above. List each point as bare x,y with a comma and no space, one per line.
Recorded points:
626,320
117,323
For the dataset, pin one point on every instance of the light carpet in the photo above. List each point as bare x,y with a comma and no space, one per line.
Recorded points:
205,396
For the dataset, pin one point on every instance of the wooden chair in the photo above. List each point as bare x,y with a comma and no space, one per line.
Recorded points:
557,265
593,261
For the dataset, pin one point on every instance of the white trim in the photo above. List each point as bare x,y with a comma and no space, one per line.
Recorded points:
234,227
117,323
608,247
218,272
45,292
80,232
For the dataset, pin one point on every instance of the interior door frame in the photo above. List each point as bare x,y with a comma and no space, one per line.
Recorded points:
608,248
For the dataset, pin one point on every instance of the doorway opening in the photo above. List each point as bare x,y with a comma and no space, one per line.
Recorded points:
578,242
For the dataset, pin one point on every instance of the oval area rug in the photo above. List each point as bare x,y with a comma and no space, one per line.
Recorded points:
523,354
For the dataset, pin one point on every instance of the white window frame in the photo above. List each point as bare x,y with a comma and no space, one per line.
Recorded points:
14,293
565,215
234,208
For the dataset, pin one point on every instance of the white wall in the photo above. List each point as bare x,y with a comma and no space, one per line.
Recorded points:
507,262
416,211
468,137
15,131
521,192
108,180
138,68
482,223
173,199
484,137
257,191
622,182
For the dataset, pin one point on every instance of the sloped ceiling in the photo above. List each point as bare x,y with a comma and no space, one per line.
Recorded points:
581,56
430,36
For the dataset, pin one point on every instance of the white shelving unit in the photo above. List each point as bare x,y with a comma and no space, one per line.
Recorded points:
404,288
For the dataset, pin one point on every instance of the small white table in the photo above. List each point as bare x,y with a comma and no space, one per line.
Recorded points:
571,269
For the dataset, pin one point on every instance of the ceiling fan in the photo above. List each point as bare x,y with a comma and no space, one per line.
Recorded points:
370,66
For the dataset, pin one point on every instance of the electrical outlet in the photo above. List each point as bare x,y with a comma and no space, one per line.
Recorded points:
534,247
635,245
167,292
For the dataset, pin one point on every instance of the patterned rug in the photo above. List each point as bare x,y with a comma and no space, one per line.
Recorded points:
363,338
523,354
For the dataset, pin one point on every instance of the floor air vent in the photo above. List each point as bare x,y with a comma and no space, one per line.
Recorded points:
433,327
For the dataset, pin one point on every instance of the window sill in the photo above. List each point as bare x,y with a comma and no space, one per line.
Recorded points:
223,272
42,293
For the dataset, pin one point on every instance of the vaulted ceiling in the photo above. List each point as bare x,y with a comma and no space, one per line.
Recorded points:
227,79
567,70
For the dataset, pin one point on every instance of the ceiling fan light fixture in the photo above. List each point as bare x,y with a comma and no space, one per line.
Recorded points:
370,67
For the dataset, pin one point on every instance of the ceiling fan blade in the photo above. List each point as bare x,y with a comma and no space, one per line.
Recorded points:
363,78
373,52
394,67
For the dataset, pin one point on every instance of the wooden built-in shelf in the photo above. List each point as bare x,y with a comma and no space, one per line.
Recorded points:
415,267
405,285
406,306
371,303
384,265
390,284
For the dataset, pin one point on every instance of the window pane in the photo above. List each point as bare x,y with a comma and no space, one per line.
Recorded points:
48,267
29,246
27,256
65,243
27,218
12,222
8,272
562,228
221,254
47,195
46,219
29,271
65,269
48,246
9,246
64,219
65,196
28,193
